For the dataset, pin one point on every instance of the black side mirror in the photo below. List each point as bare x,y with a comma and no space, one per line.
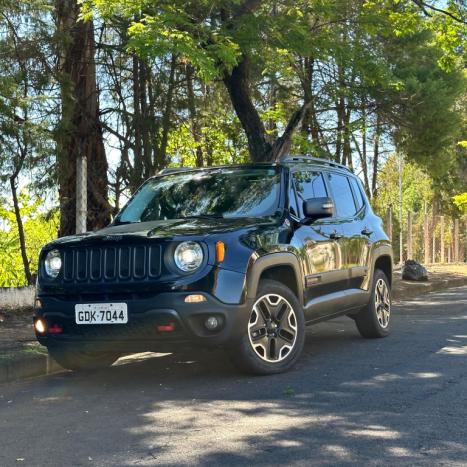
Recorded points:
318,208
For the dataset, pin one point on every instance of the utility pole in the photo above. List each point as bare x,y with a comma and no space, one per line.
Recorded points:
401,241
426,229
409,236
81,192
442,238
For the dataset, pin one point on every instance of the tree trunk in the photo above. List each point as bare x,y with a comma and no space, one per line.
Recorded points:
237,83
19,223
161,160
374,178
79,130
137,173
195,130
260,147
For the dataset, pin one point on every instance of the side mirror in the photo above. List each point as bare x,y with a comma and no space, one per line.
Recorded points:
318,208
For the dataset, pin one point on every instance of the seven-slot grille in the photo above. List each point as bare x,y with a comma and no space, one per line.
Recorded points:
111,263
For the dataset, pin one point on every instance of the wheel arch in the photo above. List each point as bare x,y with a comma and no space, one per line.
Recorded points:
282,267
384,263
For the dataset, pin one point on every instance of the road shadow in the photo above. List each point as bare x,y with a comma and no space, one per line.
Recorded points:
398,400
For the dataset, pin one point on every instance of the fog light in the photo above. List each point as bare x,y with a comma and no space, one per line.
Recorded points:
212,323
195,298
40,326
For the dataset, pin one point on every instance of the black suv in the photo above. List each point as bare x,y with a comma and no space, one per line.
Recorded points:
241,257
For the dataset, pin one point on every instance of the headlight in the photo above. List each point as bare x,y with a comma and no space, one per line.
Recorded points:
188,256
53,263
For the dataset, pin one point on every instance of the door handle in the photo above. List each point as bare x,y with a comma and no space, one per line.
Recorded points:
335,235
367,232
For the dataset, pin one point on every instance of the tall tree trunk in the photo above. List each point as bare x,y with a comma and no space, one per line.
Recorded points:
310,125
195,130
19,223
80,131
374,178
362,153
346,134
161,159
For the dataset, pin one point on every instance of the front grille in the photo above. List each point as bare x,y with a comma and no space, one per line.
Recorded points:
112,263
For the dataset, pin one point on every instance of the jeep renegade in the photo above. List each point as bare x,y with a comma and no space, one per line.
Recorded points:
241,257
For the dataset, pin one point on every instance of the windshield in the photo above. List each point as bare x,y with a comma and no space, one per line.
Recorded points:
233,192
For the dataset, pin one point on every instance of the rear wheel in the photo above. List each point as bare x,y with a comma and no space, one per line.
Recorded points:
375,319
79,360
275,334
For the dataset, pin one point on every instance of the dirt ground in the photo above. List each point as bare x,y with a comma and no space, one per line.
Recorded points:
16,333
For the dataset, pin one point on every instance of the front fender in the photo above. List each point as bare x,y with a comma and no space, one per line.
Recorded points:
258,265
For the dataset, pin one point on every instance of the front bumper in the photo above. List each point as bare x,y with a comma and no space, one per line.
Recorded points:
144,316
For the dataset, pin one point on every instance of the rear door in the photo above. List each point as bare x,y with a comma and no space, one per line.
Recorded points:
349,219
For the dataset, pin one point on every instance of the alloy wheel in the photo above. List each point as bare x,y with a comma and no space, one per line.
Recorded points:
382,303
272,328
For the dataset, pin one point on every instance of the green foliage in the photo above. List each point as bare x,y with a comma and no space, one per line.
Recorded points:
461,202
39,228
416,188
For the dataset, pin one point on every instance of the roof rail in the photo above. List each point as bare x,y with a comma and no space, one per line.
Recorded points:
170,170
308,158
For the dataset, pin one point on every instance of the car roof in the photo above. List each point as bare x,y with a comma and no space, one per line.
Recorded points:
300,161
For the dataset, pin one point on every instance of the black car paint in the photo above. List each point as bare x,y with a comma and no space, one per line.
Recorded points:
331,261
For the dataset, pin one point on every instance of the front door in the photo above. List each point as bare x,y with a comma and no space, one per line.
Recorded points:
317,242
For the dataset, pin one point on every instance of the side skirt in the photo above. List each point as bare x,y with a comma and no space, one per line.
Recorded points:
335,304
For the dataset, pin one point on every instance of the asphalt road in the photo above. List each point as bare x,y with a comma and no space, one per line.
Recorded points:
395,401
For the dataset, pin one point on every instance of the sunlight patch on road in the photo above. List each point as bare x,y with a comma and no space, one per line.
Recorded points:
426,375
397,451
375,381
338,451
376,431
451,350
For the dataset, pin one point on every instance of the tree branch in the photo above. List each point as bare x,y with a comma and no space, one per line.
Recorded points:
424,6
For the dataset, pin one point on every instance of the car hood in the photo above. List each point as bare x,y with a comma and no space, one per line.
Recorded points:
166,229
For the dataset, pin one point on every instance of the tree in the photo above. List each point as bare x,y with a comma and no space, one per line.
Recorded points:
79,132
25,138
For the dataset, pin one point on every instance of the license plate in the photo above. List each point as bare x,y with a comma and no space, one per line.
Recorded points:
101,313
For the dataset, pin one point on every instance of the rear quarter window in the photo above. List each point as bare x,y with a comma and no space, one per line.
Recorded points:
342,195
359,199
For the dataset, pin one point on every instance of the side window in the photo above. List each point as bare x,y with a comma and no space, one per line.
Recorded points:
293,208
358,194
343,197
309,185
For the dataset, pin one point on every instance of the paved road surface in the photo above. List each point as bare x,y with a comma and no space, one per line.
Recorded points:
400,400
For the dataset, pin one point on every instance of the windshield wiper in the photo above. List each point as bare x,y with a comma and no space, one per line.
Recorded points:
126,222
205,216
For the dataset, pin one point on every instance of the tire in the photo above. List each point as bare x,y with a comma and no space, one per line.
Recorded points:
374,321
275,332
79,361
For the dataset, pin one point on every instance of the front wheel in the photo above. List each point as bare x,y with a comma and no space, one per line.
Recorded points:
275,333
375,319
77,360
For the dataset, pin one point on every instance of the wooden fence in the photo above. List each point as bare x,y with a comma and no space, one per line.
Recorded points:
427,238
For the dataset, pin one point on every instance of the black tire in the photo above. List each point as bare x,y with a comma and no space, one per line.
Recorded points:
287,329
77,360
374,321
